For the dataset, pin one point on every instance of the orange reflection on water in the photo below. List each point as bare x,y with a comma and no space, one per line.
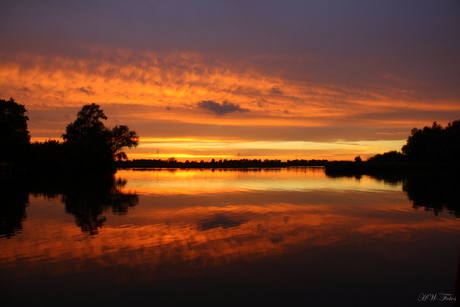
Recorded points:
258,224
197,181
197,236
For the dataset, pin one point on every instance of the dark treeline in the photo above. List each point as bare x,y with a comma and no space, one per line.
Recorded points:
88,146
428,167
432,149
225,163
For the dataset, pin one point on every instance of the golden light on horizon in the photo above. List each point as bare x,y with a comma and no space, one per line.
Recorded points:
249,112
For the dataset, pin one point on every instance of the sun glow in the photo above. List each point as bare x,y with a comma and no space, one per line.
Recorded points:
252,114
292,150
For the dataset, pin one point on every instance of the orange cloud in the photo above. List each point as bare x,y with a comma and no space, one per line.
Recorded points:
143,89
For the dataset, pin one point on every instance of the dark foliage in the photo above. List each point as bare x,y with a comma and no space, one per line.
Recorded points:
50,156
88,126
92,146
14,136
434,144
88,147
388,157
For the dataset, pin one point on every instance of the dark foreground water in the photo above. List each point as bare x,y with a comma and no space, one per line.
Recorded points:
273,237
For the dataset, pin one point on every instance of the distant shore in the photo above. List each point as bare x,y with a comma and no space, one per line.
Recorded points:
241,163
331,167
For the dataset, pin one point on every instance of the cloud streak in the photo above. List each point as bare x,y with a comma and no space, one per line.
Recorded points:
220,108
314,71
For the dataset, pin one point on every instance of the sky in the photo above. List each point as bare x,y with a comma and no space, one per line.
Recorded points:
237,79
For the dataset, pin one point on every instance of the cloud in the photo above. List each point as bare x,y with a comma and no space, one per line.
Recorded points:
87,91
275,90
220,109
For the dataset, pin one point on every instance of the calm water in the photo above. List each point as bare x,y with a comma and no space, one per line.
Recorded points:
277,237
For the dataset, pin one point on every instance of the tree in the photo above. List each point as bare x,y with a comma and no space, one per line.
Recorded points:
87,126
120,137
14,136
92,144
434,144
388,157
453,141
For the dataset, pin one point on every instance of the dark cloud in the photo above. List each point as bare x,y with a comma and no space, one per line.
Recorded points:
87,91
220,109
275,90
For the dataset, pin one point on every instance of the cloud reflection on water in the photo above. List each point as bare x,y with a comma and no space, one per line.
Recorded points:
179,224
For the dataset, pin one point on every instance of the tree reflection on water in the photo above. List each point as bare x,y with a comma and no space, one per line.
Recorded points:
270,245
14,198
434,193
431,191
87,198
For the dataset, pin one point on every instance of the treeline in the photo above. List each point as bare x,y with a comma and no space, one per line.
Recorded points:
434,148
435,144
88,145
243,163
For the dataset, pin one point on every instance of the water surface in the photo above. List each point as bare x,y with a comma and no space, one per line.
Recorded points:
287,237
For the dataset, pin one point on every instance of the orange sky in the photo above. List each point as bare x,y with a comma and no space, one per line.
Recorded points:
253,79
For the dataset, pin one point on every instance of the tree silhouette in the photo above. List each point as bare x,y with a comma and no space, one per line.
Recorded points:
120,137
14,136
434,144
91,145
388,157
87,126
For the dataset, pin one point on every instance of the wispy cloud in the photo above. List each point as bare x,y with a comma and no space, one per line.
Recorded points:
218,71
220,109
88,91
275,90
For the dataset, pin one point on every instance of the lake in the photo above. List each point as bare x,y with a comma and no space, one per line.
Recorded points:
229,237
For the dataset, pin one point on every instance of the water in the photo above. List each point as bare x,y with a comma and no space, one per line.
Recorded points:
277,237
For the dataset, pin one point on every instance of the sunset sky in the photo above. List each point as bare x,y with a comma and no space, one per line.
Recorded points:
227,79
